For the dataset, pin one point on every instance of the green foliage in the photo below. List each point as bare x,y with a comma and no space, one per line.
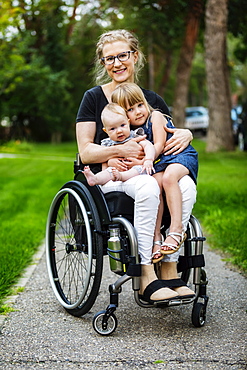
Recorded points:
47,53
35,92
237,19
5,309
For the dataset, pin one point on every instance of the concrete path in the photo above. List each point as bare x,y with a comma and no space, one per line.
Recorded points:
41,335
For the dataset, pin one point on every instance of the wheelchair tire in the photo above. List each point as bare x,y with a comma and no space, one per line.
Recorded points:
74,251
109,327
198,314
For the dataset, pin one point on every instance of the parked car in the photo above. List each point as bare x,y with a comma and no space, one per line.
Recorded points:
196,119
239,127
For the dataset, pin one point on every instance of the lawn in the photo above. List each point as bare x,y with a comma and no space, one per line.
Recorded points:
222,201
30,181
27,185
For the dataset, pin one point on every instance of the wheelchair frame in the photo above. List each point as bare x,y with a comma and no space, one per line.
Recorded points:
77,235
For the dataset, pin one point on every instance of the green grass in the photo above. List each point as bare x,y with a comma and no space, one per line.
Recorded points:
222,202
28,184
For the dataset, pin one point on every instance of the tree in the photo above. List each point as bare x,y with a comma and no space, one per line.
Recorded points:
185,61
35,79
219,99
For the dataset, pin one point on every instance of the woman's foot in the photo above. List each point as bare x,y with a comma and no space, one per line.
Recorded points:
168,271
172,243
151,289
184,291
90,176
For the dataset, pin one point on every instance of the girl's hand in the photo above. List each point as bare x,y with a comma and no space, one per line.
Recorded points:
178,142
148,166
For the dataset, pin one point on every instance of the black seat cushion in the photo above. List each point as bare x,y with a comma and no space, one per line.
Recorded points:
120,204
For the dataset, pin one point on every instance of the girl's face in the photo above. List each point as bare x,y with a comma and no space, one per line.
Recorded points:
120,71
137,114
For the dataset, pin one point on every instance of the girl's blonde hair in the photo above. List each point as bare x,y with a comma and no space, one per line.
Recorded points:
128,94
101,75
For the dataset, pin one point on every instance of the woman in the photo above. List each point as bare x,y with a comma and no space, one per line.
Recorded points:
118,60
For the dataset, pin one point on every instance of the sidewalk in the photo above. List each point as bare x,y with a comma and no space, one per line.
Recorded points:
41,335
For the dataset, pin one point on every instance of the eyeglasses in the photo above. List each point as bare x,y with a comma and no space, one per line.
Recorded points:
122,57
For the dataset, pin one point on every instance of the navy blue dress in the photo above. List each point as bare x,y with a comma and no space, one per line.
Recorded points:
188,157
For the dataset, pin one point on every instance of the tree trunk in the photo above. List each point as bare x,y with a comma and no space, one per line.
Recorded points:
166,67
185,62
219,99
150,63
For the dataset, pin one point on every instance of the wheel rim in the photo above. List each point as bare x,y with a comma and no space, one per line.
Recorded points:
202,317
111,324
68,261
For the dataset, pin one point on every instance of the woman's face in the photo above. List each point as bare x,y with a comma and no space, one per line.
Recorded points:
120,71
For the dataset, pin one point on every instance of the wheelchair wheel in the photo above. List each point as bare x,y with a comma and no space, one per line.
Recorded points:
74,251
104,328
198,314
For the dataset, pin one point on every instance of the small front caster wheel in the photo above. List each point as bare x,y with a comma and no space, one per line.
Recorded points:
104,325
198,314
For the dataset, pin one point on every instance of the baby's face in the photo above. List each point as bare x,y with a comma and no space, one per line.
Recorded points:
117,127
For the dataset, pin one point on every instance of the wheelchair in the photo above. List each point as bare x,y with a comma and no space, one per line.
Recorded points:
83,225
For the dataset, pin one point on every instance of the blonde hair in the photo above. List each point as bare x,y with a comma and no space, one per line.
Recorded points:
101,75
113,108
128,94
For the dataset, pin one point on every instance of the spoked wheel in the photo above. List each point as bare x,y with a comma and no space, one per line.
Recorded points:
198,314
103,326
74,250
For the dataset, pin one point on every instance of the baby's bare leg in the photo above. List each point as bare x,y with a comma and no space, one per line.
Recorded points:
125,175
100,178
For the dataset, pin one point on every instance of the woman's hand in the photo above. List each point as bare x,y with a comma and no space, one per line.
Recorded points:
131,148
178,142
119,163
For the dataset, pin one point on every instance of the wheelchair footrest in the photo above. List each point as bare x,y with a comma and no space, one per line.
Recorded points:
188,262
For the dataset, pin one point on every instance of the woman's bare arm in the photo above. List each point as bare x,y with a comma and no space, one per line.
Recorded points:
94,153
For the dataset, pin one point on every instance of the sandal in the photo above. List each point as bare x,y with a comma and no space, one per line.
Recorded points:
155,260
179,286
152,288
173,247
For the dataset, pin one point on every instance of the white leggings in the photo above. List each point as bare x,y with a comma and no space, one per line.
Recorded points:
145,191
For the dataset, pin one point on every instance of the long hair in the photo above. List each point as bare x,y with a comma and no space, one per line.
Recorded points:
101,75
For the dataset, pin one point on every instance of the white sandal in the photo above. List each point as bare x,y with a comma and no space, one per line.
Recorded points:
173,247
155,260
